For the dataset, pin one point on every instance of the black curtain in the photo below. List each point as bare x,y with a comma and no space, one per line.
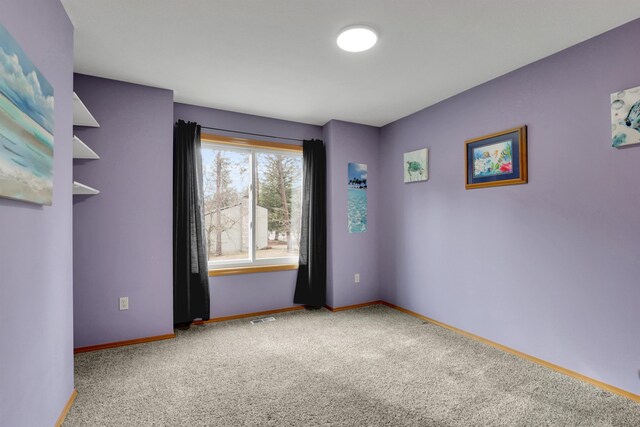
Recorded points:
311,284
190,270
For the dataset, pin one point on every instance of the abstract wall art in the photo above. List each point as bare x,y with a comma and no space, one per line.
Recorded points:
497,159
625,117
26,126
416,165
357,198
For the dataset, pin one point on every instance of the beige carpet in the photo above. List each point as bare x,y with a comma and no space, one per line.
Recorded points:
373,366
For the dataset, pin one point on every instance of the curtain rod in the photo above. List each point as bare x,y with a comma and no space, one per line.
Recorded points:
253,134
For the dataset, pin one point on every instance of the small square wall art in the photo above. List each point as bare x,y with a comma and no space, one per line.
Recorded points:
416,165
625,117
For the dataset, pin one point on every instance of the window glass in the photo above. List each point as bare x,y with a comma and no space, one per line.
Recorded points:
278,197
226,187
246,224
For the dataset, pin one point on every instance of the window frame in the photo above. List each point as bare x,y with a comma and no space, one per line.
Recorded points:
251,146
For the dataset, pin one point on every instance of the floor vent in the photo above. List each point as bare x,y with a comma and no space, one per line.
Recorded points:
263,320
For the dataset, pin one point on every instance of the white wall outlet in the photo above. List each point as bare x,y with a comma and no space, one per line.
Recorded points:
124,303
356,278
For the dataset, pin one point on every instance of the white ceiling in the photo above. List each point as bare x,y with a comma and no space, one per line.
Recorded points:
278,58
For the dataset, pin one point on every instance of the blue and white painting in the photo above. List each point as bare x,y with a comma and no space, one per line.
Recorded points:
357,198
26,126
625,117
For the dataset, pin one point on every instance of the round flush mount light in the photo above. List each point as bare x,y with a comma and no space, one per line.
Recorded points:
357,38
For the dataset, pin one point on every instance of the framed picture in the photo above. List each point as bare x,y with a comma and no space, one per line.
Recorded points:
497,159
416,165
625,117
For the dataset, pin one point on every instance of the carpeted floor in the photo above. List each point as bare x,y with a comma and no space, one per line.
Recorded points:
373,366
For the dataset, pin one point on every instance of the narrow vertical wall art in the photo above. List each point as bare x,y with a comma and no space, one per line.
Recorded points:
357,198
26,126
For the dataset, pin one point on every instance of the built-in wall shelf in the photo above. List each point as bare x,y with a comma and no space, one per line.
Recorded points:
85,190
82,116
82,150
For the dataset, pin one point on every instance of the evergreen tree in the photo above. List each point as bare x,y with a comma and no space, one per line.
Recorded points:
277,174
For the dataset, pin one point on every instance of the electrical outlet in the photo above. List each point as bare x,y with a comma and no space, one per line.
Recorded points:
356,278
124,303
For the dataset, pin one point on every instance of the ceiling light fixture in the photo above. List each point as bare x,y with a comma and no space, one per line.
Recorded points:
357,38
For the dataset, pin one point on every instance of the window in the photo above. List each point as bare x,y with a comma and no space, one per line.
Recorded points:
252,200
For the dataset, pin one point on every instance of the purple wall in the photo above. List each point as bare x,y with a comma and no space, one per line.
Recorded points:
351,253
122,236
551,267
36,312
247,293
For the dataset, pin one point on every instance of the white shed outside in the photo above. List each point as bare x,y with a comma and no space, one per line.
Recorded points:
236,237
